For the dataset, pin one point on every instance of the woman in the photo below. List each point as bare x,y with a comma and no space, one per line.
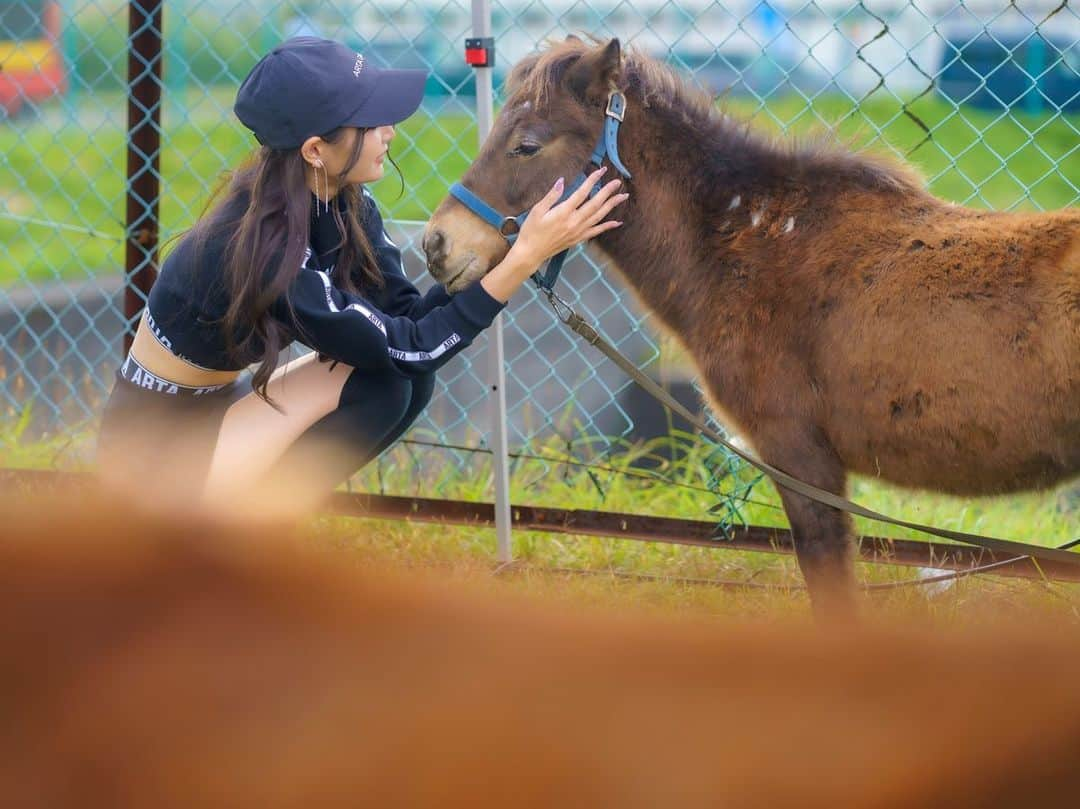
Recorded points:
296,251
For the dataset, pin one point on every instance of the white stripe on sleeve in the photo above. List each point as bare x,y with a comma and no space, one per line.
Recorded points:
397,354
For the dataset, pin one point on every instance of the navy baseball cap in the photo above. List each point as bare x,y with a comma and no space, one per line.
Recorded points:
309,86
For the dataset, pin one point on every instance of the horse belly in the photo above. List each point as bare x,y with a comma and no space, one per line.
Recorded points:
960,422
955,463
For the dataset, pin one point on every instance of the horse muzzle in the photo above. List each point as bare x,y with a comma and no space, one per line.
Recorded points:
436,247
454,270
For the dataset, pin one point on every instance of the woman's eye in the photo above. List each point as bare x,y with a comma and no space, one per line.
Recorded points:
526,149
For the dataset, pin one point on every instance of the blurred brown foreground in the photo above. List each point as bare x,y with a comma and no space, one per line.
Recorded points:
157,661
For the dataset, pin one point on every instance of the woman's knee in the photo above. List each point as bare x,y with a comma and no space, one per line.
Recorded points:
422,389
385,396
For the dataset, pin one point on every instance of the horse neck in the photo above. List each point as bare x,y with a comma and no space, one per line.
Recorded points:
682,188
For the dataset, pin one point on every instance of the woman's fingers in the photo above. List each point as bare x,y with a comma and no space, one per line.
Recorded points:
603,227
572,203
549,199
586,229
602,204
594,203
553,226
579,196
589,218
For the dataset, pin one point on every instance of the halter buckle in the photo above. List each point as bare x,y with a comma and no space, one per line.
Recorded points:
616,105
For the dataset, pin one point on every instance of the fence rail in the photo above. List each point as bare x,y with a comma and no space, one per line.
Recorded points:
929,556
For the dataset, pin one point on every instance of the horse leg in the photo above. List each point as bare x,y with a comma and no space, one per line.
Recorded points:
822,535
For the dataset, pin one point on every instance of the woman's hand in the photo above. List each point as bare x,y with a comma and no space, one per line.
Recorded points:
551,228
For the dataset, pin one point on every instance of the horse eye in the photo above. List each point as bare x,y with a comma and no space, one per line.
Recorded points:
526,149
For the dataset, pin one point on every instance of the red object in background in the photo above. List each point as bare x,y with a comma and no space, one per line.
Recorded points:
31,63
480,52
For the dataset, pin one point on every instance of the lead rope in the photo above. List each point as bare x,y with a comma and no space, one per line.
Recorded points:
565,313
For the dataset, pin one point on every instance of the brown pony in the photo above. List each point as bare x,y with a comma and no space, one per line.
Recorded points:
841,318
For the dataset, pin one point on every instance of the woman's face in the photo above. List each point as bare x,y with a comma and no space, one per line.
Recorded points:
369,166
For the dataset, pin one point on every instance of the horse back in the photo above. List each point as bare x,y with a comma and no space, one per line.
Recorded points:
936,346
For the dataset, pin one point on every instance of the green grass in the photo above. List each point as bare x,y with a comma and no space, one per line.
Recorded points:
59,171
1048,518
682,491
74,176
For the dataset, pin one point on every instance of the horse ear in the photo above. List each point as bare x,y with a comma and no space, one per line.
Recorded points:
593,76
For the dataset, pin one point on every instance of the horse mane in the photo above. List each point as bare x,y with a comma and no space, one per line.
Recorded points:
534,75
662,89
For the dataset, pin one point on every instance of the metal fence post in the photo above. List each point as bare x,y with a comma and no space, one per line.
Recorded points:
500,461
143,157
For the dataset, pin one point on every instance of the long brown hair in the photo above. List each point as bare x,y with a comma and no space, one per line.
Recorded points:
265,251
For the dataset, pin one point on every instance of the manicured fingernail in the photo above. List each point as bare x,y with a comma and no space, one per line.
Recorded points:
603,169
559,184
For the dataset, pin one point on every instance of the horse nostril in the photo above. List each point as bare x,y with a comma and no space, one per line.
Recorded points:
434,246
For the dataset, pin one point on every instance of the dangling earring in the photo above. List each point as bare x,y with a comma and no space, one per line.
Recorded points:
326,175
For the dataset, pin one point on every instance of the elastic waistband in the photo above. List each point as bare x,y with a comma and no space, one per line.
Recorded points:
139,376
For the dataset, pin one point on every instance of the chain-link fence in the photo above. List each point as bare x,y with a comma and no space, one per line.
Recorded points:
984,97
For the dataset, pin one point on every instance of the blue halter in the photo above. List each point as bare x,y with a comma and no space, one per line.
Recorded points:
606,147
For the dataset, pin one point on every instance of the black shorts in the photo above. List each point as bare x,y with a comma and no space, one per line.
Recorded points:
156,433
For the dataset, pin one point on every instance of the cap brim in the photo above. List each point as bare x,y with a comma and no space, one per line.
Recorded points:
396,96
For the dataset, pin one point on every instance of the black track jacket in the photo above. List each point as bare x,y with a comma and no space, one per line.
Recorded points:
394,328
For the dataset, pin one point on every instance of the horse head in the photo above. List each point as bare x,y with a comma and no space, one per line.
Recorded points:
552,119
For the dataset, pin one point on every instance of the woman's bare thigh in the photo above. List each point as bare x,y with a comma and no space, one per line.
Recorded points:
253,434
